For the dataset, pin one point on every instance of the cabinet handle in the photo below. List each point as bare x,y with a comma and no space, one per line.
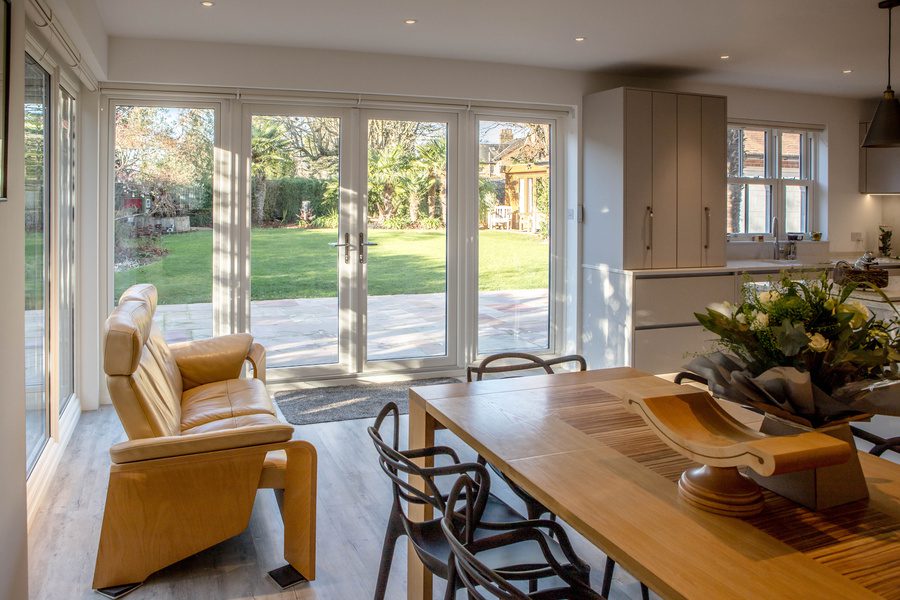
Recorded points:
650,225
706,211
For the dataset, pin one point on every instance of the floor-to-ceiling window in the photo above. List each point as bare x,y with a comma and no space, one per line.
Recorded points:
163,211
37,255
515,194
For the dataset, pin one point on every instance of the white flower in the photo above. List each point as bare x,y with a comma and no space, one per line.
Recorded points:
858,309
723,308
741,318
760,321
769,297
818,343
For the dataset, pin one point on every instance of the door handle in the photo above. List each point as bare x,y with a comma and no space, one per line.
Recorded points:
650,225
362,245
347,246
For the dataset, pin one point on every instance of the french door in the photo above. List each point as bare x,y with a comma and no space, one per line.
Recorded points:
351,222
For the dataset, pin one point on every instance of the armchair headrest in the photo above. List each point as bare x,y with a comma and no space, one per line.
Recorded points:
144,292
126,330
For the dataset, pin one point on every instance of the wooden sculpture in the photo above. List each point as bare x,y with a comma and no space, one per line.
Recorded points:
691,422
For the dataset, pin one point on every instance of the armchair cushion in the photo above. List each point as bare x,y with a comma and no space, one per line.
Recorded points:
195,443
214,359
127,328
224,400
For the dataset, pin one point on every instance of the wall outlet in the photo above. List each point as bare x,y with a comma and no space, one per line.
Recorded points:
855,236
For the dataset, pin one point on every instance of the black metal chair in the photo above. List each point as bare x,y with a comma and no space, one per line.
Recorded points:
478,578
527,362
426,537
533,508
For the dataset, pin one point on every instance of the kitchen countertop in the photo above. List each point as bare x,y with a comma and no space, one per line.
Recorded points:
744,266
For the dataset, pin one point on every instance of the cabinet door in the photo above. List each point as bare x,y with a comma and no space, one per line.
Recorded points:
713,126
664,214
668,350
690,205
638,183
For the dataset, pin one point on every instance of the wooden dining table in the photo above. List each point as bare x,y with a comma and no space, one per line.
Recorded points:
574,447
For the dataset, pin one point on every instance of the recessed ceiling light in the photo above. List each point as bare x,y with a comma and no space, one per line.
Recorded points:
410,21
579,39
847,71
725,56
207,3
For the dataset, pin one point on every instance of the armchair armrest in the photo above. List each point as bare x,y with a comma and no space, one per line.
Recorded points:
257,358
213,359
198,443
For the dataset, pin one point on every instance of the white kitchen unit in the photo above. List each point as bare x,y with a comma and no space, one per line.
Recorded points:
654,179
645,320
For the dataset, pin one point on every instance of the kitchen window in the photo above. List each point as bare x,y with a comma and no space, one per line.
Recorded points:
771,180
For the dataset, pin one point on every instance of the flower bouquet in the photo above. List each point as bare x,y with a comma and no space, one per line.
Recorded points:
805,352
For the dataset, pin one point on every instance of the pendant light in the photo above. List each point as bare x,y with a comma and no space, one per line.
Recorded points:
884,132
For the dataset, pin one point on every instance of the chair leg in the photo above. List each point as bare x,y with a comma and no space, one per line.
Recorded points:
452,581
645,593
607,577
391,535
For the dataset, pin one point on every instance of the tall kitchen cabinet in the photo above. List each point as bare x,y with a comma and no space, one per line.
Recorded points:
654,179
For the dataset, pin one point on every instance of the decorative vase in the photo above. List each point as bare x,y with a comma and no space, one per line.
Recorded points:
822,487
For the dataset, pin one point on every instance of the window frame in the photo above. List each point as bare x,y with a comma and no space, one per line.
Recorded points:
776,182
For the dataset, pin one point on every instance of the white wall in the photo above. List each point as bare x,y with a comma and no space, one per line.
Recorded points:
243,66
14,547
82,22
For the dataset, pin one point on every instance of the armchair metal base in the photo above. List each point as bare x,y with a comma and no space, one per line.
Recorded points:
286,576
118,591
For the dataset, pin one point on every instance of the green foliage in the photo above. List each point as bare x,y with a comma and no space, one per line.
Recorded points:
814,327
885,235
327,221
285,197
430,223
542,205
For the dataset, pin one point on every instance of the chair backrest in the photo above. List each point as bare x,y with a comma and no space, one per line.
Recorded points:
523,362
143,379
399,467
474,574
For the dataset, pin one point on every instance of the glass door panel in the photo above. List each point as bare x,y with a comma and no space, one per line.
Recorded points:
514,190
295,193
37,252
405,254
163,212
66,253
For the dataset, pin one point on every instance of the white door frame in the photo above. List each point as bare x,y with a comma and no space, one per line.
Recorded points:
453,256
347,276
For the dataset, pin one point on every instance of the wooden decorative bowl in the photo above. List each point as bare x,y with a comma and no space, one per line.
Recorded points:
692,423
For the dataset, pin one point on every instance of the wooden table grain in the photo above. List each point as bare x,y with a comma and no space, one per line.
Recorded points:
574,447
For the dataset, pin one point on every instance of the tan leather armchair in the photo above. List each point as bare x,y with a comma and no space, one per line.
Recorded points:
201,441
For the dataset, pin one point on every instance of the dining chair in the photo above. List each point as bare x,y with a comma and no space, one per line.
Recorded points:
427,537
524,362
478,578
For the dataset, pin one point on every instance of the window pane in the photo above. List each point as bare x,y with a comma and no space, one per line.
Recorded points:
791,144
749,208
514,188
66,241
163,212
37,244
747,152
795,207
295,203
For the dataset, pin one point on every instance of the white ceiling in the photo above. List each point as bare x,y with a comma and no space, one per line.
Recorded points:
798,45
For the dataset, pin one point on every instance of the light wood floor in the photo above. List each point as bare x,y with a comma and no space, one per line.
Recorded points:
354,497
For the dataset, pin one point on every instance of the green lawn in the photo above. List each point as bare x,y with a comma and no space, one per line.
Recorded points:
298,263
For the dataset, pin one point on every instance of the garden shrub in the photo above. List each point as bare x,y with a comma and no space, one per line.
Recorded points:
430,223
285,197
329,221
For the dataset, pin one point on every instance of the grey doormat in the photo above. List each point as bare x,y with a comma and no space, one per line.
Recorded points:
345,402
